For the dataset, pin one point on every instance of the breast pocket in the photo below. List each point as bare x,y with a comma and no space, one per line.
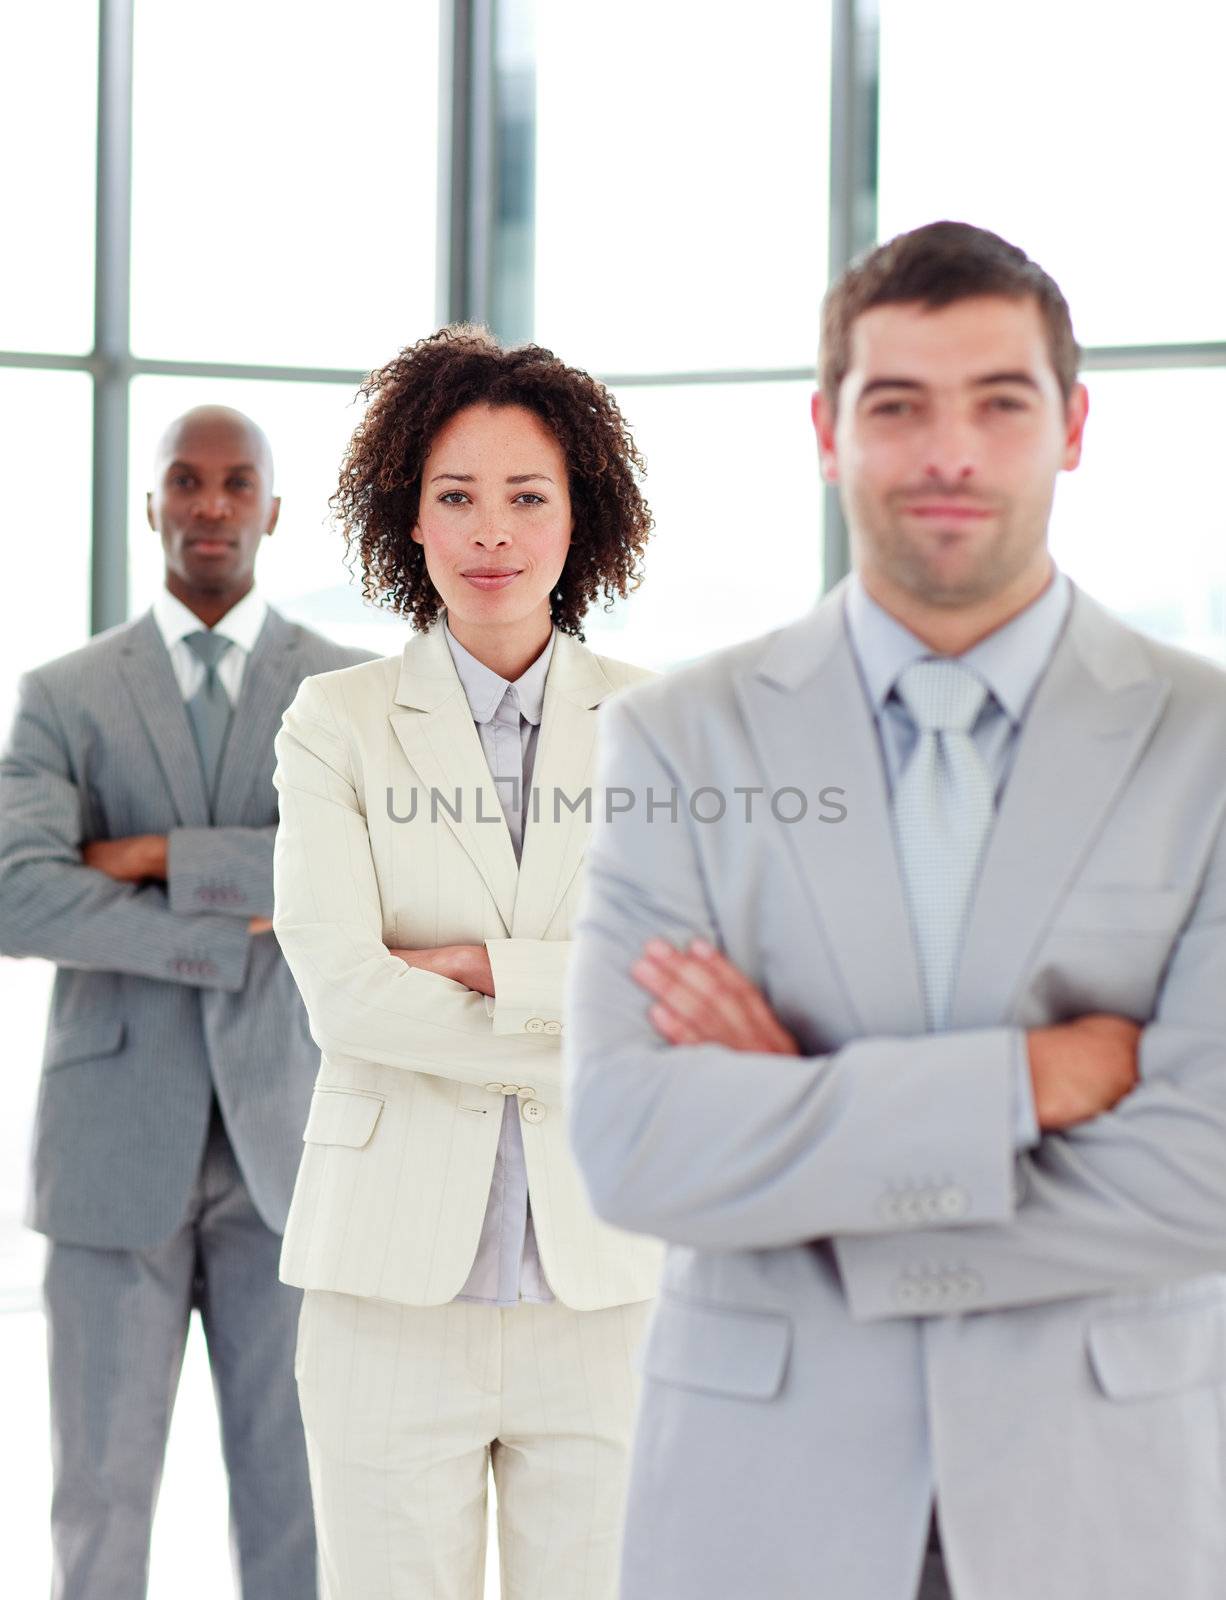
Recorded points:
1107,950
1122,912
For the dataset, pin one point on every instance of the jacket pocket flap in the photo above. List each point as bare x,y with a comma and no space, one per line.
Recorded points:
342,1116
1160,1352
718,1348
82,1041
1121,911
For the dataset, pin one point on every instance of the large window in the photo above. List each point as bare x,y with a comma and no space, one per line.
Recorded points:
1091,147
48,76
681,235
284,181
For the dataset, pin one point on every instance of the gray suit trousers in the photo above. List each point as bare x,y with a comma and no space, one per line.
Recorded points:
117,1323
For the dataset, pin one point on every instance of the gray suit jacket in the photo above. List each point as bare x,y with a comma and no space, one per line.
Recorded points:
162,996
869,1295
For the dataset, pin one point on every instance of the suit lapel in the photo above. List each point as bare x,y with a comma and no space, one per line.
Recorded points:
435,729
1092,715
263,694
809,719
151,681
563,769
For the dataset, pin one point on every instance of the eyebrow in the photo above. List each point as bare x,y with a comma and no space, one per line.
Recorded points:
468,477
187,466
913,385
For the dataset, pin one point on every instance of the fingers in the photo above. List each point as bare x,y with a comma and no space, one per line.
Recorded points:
693,995
703,997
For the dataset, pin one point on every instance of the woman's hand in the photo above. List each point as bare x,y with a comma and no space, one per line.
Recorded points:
468,964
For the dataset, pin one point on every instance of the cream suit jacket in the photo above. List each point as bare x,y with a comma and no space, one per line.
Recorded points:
391,834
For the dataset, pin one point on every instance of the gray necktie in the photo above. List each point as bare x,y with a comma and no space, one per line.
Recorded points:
508,765
209,709
943,809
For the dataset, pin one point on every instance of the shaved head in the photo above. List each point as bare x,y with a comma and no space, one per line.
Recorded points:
216,421
213,505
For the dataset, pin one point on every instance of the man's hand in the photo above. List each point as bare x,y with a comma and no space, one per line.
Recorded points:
701,998
1081,1068
259,925
468,964
143,855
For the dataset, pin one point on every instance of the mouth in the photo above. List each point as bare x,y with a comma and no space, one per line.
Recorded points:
491,577
947,510
210,547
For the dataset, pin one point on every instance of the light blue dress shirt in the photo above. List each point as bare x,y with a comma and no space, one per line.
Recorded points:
1010,661
507,1267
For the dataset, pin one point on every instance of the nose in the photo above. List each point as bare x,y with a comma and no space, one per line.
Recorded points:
212,506
950,451
489,535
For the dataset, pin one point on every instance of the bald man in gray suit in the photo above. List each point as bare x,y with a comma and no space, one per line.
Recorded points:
137,816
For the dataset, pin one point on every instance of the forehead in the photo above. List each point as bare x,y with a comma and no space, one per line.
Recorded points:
496,433
213,443
951,344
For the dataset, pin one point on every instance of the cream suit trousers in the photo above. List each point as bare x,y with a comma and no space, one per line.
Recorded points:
407,1407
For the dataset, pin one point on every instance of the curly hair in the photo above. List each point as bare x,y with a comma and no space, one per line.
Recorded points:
422,388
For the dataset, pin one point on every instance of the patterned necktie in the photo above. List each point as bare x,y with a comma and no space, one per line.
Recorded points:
209,709
943,808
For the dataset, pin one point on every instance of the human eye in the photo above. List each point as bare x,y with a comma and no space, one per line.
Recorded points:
453,497
891,408
240,482
1006,402
529,497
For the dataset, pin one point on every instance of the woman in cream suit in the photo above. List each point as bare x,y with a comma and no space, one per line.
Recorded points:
463,1307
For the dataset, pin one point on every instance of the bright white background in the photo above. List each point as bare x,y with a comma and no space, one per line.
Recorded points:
285,190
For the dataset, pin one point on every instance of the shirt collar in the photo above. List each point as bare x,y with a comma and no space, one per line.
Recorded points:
241,624
485,688
1010,660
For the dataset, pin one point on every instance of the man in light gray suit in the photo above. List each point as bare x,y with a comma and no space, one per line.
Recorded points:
137,815
909,1034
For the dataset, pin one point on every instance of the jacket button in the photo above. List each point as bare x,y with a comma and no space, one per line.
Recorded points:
534,1025
494,1088
534,1111
553,1027
953,1201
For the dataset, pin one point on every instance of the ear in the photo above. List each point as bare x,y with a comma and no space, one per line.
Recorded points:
273,514
823,425
1075,425
415,533
149,512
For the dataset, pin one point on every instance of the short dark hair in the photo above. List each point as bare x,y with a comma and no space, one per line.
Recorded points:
935,266
422,388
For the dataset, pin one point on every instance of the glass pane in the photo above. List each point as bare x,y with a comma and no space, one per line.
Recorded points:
284,182
733,484
48,131
682,167
1083,134
44,612
1141,523
301,567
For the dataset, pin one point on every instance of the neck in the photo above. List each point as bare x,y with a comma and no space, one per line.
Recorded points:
507,648
210,607
952,630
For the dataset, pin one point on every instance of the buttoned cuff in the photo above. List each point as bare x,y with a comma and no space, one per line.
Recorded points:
529,983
